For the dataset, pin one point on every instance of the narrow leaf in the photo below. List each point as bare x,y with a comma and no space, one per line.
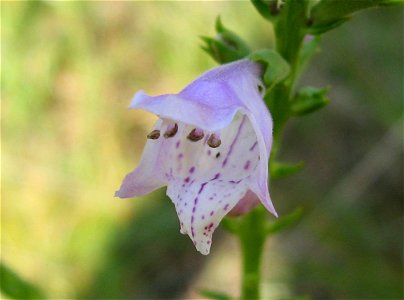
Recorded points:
281,170
309,99
285,222
328,14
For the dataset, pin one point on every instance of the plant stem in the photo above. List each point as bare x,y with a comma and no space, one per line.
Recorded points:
289,33
252,239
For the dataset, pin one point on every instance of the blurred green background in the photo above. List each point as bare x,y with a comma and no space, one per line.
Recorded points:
69,70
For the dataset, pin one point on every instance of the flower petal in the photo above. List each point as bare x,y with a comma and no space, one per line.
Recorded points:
148,176
246,204
212,150
259,181
202,205
210,102
208,182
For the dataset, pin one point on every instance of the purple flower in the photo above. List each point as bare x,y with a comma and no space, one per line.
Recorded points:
210,147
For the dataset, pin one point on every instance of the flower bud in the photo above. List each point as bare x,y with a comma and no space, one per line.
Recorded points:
226,46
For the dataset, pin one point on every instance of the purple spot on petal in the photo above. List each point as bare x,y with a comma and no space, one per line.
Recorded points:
234,141
247,165
192,170
203,217
196,200
187,179
181,155
177,145
192,219
211,213
209,152
253,146
226,207
216,177
194,209
202,187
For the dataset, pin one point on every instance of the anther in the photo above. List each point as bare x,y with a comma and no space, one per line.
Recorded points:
154,135
171,131
195,135
214,141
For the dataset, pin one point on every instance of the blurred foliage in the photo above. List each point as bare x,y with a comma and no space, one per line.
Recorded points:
69,70
348,244
15,287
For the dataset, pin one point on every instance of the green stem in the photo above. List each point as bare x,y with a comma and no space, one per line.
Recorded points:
289,33
252,239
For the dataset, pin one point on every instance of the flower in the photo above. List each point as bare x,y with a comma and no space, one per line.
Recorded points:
210,147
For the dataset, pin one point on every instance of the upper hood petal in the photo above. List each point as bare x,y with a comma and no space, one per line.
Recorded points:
212,100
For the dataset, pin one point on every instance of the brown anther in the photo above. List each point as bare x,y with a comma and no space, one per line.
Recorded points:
214,141
195,135
154,135
171,131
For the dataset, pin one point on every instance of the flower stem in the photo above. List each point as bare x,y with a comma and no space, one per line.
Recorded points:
252,239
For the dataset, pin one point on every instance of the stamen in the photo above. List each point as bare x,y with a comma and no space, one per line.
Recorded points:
214,141
195,135
154,135
171,131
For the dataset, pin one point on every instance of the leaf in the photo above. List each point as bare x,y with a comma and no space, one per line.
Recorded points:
309,99
328,14
214,295
268,9
276,68
281,170
322,28
285,222
15,287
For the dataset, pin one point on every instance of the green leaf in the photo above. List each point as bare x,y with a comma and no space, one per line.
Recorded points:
15,287
226,46
328,14
269,9
309,99
281,170
322,28
214,295
276,68
285,222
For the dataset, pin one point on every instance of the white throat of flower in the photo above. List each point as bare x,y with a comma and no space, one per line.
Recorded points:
207,173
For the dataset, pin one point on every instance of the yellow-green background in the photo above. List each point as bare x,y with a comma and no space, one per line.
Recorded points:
69,70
